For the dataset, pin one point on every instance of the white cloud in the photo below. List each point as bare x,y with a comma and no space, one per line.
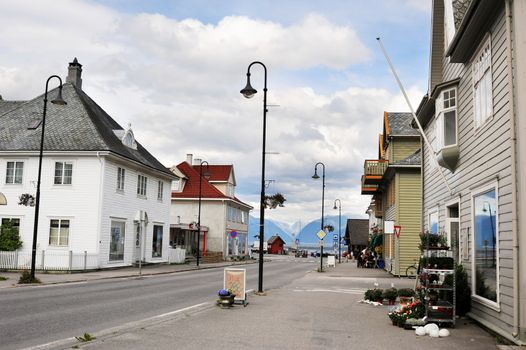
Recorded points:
178,81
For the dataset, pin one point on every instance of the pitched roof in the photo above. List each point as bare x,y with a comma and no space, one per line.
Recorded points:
275,238
191,187
217,173
357,231
81,125
399,124
460,7
413,159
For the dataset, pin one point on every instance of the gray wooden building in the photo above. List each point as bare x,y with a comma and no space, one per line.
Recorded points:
474,118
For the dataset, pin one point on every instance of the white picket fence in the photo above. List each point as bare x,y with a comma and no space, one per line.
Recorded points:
49,260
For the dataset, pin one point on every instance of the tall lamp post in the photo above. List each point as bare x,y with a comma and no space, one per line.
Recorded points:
339,229
58,101
199,210
248,91
315,176
492,229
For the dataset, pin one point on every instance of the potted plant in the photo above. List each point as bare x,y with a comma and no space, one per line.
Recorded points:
430,240
390,294
406,295
377,295
226,298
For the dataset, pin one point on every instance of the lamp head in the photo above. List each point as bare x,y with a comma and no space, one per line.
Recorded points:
335,207
315,176
248,91
59,100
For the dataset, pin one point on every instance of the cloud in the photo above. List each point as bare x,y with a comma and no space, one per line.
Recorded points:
177,82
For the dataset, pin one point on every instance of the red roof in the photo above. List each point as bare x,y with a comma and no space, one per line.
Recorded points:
216,172
191,187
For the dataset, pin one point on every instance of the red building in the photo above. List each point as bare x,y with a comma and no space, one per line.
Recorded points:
275,245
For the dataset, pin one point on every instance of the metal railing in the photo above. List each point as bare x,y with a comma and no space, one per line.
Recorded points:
50,260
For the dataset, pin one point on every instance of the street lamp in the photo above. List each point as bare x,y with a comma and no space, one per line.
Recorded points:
492,229
248,91
315,176
339,229
199,210
58,101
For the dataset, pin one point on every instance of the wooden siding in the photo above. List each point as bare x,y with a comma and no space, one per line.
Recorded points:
409,204
485,157
403,147
437,45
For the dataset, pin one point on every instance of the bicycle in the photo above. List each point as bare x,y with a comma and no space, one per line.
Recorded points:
412,270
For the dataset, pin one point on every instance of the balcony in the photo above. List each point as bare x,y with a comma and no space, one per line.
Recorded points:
368,189
373,170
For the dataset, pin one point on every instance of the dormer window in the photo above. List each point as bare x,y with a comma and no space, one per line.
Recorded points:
446,128
128,139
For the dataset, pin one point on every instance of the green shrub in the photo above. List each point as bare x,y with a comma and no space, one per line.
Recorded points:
368,294
377,294
9,237
2,278
406,292
463,289
25,278
390,294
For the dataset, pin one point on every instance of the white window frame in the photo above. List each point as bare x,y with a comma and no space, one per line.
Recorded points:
62,177
123,234
14,175
121,177
160,190
176,185
482,75
429,221
449,23
60,220
444,105
142,185
476,192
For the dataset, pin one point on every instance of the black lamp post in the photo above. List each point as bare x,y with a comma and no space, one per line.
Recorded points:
199,210
315,176
339,229
492,229
248,91
58,101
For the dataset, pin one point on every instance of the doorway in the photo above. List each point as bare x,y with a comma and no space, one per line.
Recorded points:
453,229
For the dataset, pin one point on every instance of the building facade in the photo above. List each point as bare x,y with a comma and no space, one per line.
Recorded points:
474,117
105,201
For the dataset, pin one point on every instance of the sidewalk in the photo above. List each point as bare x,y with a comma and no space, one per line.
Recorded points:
66,277
318,311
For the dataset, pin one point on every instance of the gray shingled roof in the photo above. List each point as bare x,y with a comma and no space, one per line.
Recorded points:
357,230
81,125
400,124
460,8
6,106
413,159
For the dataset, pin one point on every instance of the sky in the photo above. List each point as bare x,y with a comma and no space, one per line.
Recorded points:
173,69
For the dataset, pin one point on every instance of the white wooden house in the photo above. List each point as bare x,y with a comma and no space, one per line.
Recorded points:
105,200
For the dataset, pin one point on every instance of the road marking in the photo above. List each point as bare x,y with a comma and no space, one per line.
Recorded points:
356,291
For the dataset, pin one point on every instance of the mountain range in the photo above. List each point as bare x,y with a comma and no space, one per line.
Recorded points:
289,232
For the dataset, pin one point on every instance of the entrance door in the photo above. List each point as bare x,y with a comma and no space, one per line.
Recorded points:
452,226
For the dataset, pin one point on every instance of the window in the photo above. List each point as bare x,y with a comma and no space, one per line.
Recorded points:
433,223
160,186
230,190
176,185
141,185
157,241
59,232
15,223
446,123
120,179
63,173
485,238
117,233
14,172
482,85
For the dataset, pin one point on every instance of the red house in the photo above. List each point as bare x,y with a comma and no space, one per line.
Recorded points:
275,245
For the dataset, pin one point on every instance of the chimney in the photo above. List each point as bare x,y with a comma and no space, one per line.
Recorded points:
197,161
189,158
74,73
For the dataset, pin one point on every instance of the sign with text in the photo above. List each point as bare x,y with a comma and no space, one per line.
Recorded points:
235,280
388,227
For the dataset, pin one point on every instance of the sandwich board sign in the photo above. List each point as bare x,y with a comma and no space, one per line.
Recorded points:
236,281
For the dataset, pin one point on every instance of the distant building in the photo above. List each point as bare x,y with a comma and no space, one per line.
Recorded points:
105,200
224,218
357,234
276,245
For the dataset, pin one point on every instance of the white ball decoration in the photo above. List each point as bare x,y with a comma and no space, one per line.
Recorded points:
443,332
433,333
420,331
429,327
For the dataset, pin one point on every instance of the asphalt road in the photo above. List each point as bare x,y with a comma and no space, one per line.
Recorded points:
41,314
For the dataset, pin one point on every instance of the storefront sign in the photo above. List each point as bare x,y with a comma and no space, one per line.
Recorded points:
235,280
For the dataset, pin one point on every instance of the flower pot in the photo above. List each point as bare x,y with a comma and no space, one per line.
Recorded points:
226,300
405,300
392,302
